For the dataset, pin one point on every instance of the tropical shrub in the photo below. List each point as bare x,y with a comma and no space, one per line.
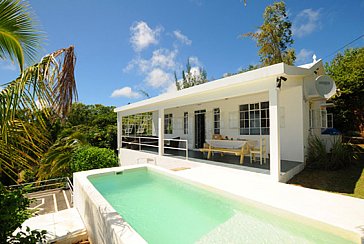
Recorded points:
13,212
88,157
56,162
340,155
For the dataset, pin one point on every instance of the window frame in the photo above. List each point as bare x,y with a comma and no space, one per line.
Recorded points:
168,124
185,123
217,121
254,118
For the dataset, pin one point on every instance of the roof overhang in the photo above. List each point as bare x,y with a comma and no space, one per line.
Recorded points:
251,82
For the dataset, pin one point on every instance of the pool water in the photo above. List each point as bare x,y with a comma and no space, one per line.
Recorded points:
165,210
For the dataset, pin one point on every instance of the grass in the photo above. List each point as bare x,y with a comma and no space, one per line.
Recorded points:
348,181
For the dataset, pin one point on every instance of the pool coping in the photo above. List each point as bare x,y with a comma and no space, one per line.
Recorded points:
349,214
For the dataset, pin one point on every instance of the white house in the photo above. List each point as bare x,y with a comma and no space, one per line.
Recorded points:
285,104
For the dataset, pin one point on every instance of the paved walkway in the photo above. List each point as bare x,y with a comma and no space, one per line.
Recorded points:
50,201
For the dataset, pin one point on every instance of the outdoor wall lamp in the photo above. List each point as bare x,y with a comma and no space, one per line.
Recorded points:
279,81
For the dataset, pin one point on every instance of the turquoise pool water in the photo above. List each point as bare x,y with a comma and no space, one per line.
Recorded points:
165,210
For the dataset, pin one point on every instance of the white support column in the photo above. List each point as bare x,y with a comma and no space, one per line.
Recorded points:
120,129
160,132
274,130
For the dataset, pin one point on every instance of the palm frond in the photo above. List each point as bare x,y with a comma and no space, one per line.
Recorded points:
20,37
42,91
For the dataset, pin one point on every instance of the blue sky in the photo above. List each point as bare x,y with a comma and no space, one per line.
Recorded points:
123,47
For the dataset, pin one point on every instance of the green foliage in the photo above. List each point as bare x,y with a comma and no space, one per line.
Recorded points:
87,158
13,212
29,237
243,70
96,122
347,70
19,34
191,77
24,135
340,156
56,162
274,36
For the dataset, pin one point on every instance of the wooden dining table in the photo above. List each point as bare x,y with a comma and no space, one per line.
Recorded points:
229,146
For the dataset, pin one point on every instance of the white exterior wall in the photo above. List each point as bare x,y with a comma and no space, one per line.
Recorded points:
292,124
293,119
228,109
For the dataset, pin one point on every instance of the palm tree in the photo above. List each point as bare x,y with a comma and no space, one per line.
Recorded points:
42,92
56,161
19,37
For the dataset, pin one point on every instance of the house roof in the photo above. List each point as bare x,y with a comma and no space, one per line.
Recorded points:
215,88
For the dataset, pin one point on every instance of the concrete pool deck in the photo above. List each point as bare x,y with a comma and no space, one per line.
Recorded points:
343,212
65,226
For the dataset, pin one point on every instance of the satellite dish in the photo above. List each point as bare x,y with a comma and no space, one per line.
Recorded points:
325,86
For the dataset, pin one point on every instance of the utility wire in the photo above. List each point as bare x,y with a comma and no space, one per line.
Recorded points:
343,46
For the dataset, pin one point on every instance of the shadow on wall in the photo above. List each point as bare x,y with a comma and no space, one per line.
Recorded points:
99,222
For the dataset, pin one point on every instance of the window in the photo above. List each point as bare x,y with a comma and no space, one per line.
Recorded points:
185,123
330,120
168,128
138,124
323,119
254,119
216,121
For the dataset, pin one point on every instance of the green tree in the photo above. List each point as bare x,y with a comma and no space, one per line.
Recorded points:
274,36
243,70
96,122
19,36
191,77
56,161
347,69
43,91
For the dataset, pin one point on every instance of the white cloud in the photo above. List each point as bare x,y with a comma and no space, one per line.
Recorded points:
125,92
304,56
164,58
157,69
195,71
306,22
194,61
161,58
182,38
143,36
170,87
157,78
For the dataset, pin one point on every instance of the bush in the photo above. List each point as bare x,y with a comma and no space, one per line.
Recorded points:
88,157
13,212
340,155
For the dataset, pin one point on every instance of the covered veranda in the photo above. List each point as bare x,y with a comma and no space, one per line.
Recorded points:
258,84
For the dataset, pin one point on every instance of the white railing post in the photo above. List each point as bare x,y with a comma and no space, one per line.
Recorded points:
186,149
161,132
119,130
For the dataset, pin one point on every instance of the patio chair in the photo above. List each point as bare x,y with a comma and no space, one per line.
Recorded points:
261,150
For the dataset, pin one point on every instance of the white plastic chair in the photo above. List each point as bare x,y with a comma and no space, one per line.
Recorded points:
262,151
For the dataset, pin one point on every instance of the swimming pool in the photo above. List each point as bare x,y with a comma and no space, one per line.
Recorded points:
163,209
